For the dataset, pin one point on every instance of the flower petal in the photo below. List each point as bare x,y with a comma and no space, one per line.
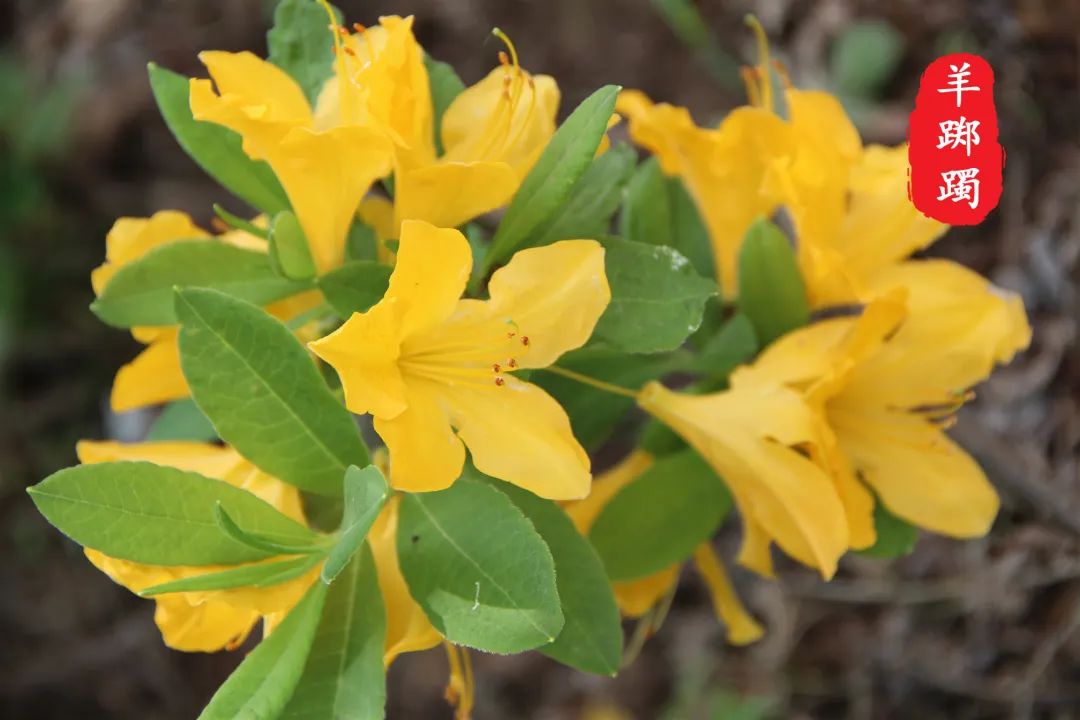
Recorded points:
213,461
637,597
266,91
554,295
153,377
604,487
449,194
433,266
518,433
742,628
131,238
425,454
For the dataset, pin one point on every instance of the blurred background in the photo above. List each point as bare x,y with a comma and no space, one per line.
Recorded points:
980,629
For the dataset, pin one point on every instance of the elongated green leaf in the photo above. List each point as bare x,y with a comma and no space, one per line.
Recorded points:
445,86
594,414
366,492
591,639
263,392
289,250
261,686
482,574
660,517
657,299
587,212
182,420
311,543
355,286
156,515
262,575
733,344
551,179
771,290
301,44
215,148
659,211
895,537
141,292
344,676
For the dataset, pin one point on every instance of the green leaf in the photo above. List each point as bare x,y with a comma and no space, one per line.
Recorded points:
301,44
549,183
355,286
261,686
366,492
733,344
182,420
141,292
263,392
445,86
591,639
478,568
657,299
659,211
289,250
310,544
594,413
259,576
865,57
215,148
238,223
660,517
771,290
593,200
895,537
362,242
344,676
157,515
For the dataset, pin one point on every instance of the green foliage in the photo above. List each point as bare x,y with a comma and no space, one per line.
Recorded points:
344,676
895,537
261,686
445,86
486,584
552,178
587,211
301,44
659,211
141,292
355,286
289,251
657,299
215,148
259,576
157,515
732,345
262,391
771,290
660,517
263,542
865,57
366,492
591,639
182,420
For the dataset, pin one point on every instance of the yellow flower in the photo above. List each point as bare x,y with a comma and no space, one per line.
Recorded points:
764,441
204,621
424,362
889,385
325,163
637,597
492,133
155,376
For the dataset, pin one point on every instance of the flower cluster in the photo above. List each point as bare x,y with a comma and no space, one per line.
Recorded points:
374,295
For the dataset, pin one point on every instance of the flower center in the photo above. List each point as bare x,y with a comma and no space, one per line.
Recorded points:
465,352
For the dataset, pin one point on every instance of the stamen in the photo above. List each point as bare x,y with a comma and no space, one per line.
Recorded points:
525,340
509,46
500,381
512,363
360,29
782,71
504,59
219,224
763,61
343,31
496,367
749,78
350,52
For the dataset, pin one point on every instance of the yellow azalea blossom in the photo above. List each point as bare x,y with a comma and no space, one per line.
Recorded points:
424,362
204,621
492,133
637,597
889,386
325,164
764,442
155,376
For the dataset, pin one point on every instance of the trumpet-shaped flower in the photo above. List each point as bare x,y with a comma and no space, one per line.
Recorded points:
425,363
204,621
155,376
764,441
325,163
889,385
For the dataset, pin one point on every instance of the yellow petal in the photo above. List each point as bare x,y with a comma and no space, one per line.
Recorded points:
131,238
267,92
917,472
637,597
585,511
208,627
554,295
742,628
214,461
518,433
407,627
744,434
449,194
433,266
153,377
756,553
425,454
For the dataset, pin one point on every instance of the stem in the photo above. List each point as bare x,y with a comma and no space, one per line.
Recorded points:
586,380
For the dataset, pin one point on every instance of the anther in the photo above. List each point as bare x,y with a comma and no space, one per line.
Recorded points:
359,28
496,367
499,381
343,31
504,59
349,51
219,224
525,340
512,363
510,335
